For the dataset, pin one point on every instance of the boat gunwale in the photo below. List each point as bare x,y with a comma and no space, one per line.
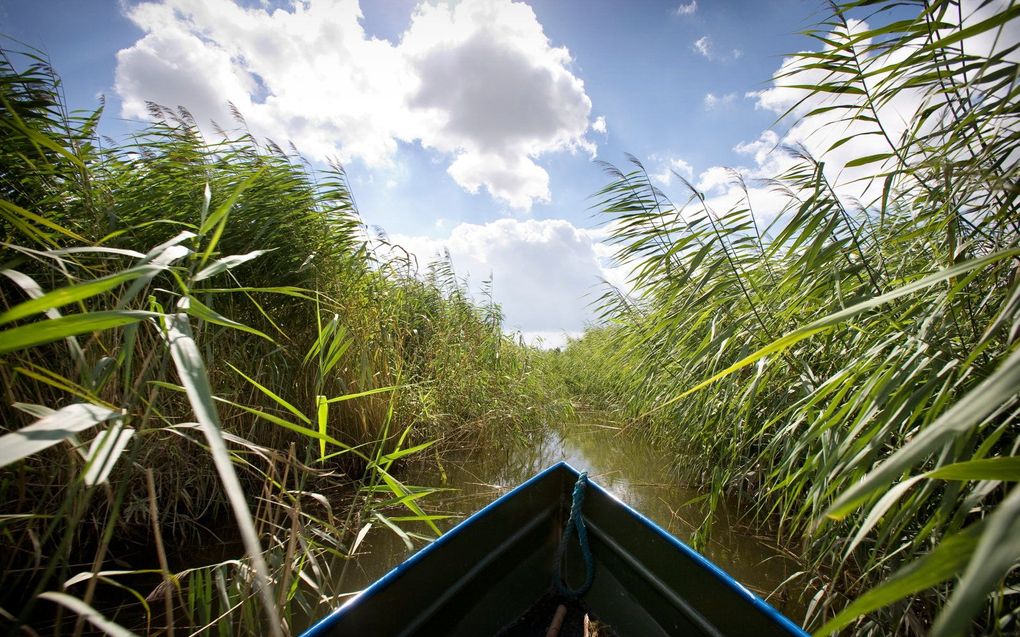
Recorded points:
326,622
321,627
704,562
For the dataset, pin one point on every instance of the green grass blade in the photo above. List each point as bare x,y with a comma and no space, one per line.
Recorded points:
217,221
390,457
399,491
997,552
12,211
226,263
879,510
396,529
322,417
202,311
362,394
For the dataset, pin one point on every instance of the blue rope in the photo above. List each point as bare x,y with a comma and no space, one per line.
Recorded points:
576,523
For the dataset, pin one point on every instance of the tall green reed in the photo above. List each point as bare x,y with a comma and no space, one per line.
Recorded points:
850,367
196,333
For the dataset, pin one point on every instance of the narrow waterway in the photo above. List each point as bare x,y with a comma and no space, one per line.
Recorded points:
631,469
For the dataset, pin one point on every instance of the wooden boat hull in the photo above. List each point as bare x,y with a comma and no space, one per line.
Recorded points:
488,570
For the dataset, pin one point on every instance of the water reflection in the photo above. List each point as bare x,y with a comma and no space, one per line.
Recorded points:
630,469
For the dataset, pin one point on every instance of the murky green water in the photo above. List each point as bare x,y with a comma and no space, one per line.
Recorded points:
630,469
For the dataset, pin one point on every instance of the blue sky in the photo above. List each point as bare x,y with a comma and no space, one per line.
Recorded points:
471,126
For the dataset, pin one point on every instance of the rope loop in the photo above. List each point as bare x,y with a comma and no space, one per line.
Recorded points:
576,524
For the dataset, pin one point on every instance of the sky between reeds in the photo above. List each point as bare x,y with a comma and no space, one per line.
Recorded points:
473,126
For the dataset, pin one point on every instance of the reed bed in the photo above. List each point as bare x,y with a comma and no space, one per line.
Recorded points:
850,369
198,342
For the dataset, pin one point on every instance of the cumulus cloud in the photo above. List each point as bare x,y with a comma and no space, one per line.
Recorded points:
713,101
763,151
599,125
545,273
726,188
819,133
686,9
715,179
495,128
705,47
517,180
670,166
309,73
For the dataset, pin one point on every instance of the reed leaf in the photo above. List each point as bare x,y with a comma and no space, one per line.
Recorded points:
948,559
51,429
104,451
93,616
191,370
994,556
47,331
969,411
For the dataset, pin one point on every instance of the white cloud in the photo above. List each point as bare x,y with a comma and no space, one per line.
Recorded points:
761,102
495,128
713,101
550,339
722,186
519,181
703,45
599,125
669,166
686,9
761,150
159,66
706,48
714,179
309,73
820,132
766,203
545,273
291,73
